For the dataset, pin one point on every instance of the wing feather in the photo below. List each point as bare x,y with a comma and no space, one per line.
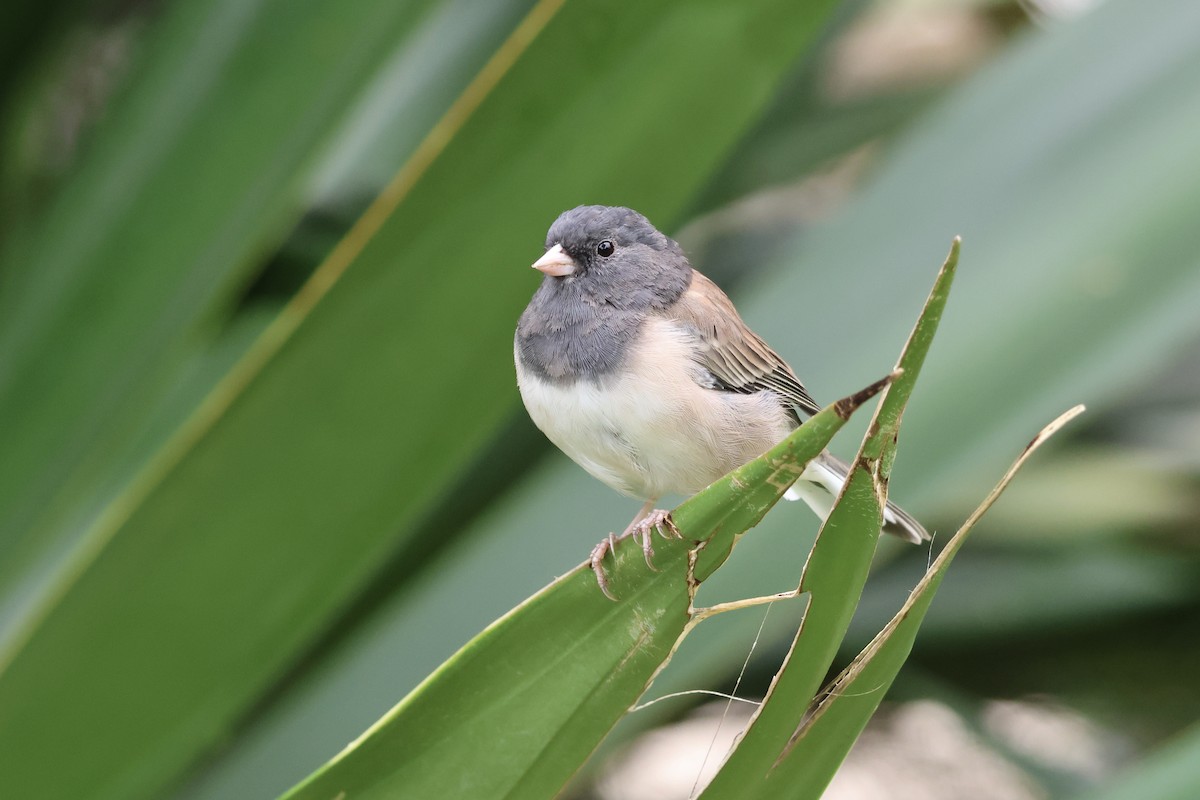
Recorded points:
737,358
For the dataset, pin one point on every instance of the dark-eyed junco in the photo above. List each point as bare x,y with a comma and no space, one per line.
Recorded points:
640,369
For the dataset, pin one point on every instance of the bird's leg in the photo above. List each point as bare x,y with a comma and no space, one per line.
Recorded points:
641,526
640,529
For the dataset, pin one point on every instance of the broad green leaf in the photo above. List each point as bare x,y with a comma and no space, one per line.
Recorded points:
103,298
519,708
411,92
818,746
255,524
836,570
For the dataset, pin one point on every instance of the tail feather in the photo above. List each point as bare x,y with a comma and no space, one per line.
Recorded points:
823,480
899,522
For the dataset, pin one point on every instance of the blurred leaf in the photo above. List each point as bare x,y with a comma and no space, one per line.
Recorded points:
408,96
105,295
804,129
1098,666
273,504
25,28
997,594
1090,490
1169,773
807,137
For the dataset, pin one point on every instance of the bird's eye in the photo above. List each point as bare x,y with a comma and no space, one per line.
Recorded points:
605,248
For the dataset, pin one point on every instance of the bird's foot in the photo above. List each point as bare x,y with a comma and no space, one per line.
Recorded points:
640,530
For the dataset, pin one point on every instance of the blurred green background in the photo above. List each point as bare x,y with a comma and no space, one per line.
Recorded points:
262,461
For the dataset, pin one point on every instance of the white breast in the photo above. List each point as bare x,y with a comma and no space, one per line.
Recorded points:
652,429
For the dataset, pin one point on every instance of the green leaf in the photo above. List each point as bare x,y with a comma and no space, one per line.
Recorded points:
519,708
836,571
440,57
104,297
818,746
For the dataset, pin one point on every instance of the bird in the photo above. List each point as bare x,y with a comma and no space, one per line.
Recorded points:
640,369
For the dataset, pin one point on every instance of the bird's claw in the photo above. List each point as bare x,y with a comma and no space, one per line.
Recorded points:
597,561
642,531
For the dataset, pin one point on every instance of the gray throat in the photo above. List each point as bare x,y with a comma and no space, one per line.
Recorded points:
565,335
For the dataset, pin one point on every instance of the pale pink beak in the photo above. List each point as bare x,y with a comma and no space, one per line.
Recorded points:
556,262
